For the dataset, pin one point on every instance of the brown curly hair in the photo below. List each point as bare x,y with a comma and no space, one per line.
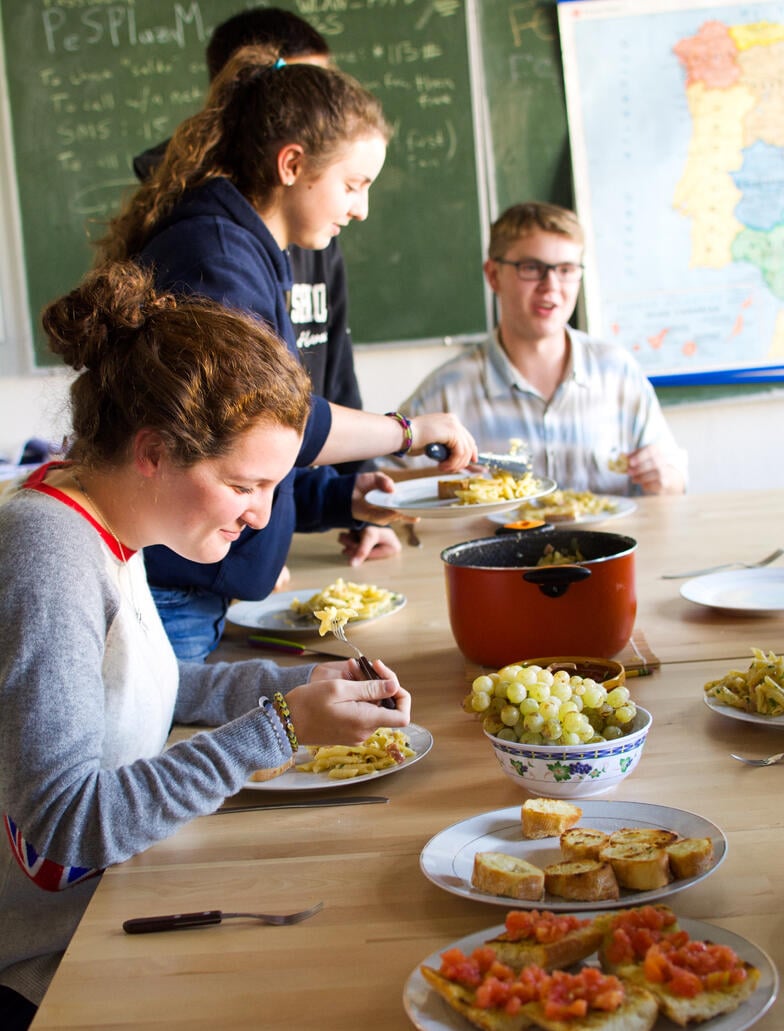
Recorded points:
253,109
198,373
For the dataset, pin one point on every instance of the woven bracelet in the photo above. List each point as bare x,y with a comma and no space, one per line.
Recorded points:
284,715
408,433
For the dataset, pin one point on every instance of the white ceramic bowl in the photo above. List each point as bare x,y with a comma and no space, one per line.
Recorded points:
573,771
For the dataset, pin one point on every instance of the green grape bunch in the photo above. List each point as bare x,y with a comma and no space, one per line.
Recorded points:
535,706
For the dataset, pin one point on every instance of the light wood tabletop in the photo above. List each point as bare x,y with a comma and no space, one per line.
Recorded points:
348,966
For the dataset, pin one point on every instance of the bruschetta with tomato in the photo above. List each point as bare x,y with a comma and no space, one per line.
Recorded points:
493,997
545,939
692,980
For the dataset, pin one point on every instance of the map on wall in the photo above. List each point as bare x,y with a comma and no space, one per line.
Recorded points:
676,126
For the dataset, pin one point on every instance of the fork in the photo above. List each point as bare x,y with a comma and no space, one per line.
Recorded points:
364,663
179,921
727,565
770,761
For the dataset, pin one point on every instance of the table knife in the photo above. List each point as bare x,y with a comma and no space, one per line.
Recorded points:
280,644
310,803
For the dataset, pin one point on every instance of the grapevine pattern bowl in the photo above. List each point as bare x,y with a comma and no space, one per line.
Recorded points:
573,771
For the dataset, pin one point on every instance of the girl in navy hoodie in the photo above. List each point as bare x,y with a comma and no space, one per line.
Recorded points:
280,154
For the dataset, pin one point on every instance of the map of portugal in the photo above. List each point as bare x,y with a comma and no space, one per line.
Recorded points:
732,187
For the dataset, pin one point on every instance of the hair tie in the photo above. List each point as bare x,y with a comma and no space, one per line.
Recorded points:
280,63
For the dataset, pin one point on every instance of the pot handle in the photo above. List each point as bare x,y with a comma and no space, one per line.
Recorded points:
553,581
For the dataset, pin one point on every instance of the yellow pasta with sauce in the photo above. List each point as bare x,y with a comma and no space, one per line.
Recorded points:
760,689
346,598
481,490
384,748
332,617
567,504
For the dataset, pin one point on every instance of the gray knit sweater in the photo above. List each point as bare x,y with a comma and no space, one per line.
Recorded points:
89,688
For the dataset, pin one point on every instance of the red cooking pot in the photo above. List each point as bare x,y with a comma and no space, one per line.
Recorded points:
504,607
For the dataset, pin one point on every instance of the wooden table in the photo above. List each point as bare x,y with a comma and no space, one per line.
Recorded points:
347,967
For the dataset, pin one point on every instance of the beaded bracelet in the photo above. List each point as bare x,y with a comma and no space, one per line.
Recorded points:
408,433
284,715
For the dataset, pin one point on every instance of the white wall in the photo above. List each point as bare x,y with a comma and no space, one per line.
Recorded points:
731,443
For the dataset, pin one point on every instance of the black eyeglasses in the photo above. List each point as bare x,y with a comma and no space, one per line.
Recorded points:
530,270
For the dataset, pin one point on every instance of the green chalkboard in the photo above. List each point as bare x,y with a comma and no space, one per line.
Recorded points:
525,98
92,84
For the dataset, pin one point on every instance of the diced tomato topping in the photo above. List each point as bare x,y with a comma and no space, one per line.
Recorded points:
656,966
563,996
555,1010
492,994
543,927
688,967
468,970
684,983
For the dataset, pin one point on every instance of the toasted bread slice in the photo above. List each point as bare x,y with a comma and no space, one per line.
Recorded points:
639,867
548,817
499,874
637,1012
548,940
556,955
584,880
706,1005
656,836
262,775
449,488
690,857
565,513
583,843
461,999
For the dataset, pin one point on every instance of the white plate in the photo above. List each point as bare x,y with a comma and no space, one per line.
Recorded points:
421,741
419,497
275,613
754,592
448,858
623,507
772,722
429,1012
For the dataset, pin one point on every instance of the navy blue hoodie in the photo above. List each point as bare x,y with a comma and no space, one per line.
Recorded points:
214,244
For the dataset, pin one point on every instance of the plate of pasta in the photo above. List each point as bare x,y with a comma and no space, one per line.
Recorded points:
293,612
458,496
754,695
320,768
570,507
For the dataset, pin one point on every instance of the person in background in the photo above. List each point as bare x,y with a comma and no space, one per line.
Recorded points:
319,299
186,418
585,410
280,154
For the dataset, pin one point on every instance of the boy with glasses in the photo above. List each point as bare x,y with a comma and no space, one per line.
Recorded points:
585,409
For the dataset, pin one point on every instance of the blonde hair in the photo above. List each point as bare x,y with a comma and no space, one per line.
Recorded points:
522,219
253,108
196,372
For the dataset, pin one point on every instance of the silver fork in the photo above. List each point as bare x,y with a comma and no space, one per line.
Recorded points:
727,565
770,761
180,921
364,663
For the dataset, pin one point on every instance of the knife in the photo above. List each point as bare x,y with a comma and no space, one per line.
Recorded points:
280,644
517,465
351,800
